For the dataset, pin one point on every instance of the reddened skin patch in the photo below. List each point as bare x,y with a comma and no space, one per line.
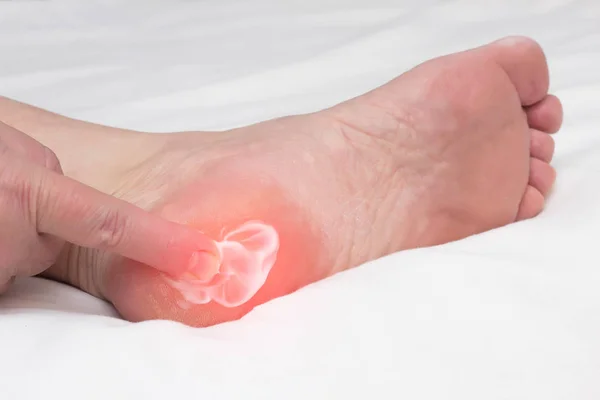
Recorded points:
247,255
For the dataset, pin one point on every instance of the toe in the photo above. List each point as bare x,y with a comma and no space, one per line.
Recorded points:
525,63
542,146
545,115
531,205
541,175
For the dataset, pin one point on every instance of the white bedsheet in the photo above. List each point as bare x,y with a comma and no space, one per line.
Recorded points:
510,314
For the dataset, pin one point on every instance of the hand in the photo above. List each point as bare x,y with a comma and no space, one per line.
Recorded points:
41,209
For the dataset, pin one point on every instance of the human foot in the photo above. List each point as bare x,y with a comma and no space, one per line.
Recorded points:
454,147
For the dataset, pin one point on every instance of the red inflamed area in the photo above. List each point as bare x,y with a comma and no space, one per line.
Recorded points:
216,207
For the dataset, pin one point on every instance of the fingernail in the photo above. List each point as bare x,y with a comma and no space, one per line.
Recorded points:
203,266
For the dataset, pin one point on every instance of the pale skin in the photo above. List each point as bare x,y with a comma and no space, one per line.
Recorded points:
457,146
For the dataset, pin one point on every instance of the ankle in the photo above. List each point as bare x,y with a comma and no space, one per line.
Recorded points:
90,153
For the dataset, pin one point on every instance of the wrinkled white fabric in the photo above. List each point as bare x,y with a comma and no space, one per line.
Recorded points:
510,314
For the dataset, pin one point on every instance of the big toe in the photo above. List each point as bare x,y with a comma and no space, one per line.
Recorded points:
545,115
525,64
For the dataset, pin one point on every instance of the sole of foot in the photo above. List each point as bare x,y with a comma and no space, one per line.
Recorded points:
456,146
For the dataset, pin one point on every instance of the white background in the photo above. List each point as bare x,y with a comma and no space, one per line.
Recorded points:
510,314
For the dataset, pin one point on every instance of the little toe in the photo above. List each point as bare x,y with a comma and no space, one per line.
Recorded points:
545,115
531,205
541,176
541,146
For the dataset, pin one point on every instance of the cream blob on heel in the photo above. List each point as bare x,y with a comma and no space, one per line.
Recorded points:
247,255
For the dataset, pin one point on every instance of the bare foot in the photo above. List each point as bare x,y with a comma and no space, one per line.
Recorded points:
457,146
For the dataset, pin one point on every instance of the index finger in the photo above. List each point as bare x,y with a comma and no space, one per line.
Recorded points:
87,217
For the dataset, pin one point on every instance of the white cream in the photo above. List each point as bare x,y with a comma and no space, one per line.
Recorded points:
247,255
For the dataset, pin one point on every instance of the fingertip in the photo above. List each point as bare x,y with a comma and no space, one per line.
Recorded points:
193,254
